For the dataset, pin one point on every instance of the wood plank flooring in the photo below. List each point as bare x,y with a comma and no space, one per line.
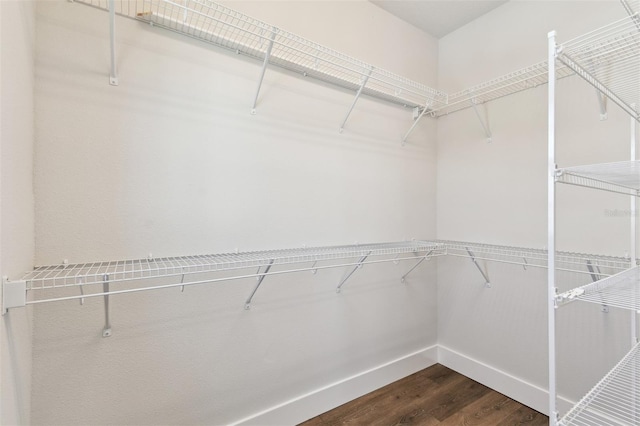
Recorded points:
436,396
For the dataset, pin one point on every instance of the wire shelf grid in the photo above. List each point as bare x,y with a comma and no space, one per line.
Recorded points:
621,177
537,258
609,59
631,6
621,290
47,277
508,84
614,401
224,27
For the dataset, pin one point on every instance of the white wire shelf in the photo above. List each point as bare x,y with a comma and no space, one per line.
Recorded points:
631,6
621,290
55,276
581,263
621,177
508,84
189,269
224,27
614,401
609,59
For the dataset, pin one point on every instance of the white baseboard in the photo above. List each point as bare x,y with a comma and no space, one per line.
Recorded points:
515,388
335,394
323,399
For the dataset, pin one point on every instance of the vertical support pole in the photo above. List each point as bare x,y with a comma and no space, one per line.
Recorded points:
113,73
632,225
267,55
551,229
107,323
365,79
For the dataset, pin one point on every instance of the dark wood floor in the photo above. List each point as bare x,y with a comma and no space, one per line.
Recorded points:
434,396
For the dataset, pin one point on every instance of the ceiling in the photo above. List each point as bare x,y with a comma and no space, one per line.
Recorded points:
438,17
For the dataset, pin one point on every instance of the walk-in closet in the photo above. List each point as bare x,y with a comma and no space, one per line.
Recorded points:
317,212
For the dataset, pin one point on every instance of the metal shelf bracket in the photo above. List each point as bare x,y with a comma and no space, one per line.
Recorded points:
267,55
602,104
596,275
260,276
422,259
106,332
354,269
365,79
487,283
483,122
14,294
425,110
113,72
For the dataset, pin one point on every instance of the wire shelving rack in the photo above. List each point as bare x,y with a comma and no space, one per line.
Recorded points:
614,400
608,59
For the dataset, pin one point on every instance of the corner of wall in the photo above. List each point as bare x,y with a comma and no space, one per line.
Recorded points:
17,237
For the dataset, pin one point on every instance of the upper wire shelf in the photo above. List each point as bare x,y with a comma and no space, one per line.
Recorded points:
224,27
615,400
609,59
508,84
621,177
46,277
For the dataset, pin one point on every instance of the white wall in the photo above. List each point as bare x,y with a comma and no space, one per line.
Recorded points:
171,162
17,41
496,193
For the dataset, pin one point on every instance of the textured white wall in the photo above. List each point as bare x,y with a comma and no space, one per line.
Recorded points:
171,162
496,193
17,35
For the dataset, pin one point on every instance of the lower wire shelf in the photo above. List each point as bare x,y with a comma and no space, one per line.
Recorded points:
621,290
194,270
615,400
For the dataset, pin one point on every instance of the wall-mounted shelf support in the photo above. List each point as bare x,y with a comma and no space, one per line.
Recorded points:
267,55
365,79
484,122
260,278
106,332
602,104
425,110
81,292
487,283
354,269
113,72
422,259
596,275
14,294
